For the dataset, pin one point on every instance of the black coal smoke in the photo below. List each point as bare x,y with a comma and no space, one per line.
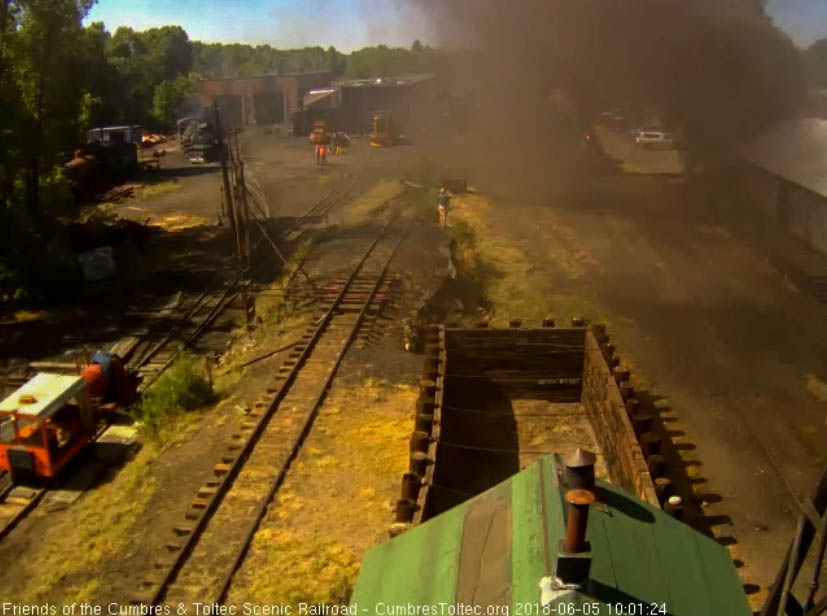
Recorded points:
716,71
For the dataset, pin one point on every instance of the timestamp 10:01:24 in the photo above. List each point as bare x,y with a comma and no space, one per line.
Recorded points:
595,608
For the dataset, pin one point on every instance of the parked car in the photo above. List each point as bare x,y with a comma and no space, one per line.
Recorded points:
655,140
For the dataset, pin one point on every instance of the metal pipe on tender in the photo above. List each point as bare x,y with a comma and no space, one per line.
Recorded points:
578,519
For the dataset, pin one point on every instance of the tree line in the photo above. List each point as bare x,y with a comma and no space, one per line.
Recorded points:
59,77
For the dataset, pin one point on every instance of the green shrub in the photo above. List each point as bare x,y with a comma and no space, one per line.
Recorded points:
463,234
181,389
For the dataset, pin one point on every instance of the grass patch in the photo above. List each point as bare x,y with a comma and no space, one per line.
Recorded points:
302,569
351,461
371,203
274,306
512,285
98,530
154,189
463,234
183,388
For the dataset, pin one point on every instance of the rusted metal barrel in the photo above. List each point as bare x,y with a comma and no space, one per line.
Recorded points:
548,322
481,324
515,323
578,321
599,331
577,520
425,405
626,390
632,406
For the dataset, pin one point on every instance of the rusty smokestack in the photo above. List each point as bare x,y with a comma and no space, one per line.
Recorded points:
578,519
574,558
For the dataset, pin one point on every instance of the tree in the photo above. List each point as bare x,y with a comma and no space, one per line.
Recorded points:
47,75
169,97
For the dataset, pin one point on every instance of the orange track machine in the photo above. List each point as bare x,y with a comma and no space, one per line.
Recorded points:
44,424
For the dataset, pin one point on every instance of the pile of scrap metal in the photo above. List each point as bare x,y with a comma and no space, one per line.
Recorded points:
197,138
151,139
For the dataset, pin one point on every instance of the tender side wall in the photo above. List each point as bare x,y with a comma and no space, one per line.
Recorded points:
615,435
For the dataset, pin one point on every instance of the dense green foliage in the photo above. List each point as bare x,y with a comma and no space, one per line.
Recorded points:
181,389
60,78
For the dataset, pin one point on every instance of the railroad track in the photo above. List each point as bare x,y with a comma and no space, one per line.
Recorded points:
204,552
177,327
192,315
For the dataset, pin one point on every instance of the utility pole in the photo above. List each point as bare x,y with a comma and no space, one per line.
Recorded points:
227,198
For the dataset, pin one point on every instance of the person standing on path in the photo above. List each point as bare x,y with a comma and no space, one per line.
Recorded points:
443,200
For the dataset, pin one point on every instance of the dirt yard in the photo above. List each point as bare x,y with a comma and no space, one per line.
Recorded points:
732,353
704,323
102,546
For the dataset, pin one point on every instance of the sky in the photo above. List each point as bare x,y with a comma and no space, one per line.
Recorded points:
346,24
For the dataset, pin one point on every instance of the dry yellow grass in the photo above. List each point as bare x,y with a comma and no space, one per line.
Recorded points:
180,222
97,529
514,286
366,205
337,499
